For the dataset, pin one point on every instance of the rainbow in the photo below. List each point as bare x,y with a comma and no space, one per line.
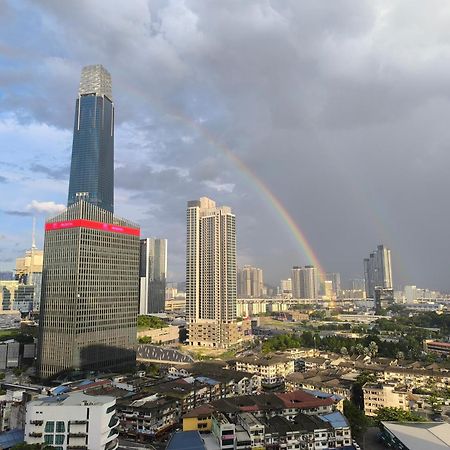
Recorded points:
259,186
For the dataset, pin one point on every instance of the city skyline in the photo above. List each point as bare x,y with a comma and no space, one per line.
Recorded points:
314,151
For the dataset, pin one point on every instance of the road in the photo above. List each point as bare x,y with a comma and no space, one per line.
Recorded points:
370,441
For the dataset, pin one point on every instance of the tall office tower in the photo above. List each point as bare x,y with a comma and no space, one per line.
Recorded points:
378,270
152,275
211,275
250,282
304,282
335,278
90,293
92,166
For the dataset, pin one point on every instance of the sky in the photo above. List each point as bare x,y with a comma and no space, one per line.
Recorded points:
339,109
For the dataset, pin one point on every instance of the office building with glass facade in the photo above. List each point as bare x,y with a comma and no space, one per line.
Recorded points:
92,165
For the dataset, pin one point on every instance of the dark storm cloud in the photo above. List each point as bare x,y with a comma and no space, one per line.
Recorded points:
340,108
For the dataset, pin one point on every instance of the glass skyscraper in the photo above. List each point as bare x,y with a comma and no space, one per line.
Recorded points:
92,167
90,291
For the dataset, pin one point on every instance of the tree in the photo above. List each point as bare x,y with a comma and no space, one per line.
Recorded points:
145,340
400,355
356,418
359,349
390,414
344,351
373,348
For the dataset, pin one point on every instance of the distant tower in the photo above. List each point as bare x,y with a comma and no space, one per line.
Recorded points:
304,282
335,278
92,166
378,271
29,275
152,275
211,274
250,282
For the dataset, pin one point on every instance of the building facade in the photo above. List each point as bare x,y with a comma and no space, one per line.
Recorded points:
89,291
71,421
211,274
250,282
152,275
92,165
378,271
29,274
304,282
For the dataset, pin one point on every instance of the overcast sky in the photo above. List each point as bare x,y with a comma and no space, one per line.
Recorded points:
341,108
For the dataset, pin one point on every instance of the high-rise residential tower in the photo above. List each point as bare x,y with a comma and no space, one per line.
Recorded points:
378,270
211,275
304,282
92,166
250,282
152,275
90,292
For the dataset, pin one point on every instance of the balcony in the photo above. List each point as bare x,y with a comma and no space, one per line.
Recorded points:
113,422
77,434
78,422
36,422
35,434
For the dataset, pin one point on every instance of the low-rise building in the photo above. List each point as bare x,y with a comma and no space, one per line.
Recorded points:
329,380
416,435
378,396
74,420
440,348
161,336
272,370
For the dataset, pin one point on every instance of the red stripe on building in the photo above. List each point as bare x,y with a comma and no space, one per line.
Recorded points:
82,223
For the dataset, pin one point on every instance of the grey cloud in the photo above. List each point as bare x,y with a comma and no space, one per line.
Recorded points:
340,108
18,213
3,179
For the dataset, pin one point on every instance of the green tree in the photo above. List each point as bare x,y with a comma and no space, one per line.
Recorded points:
373,348
356,418
145,340
390,414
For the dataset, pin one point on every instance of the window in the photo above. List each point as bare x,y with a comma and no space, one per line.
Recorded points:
49,427
59,438
48,438
60,427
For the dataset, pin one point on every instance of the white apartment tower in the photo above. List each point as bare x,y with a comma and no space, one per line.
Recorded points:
250,282
211,274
